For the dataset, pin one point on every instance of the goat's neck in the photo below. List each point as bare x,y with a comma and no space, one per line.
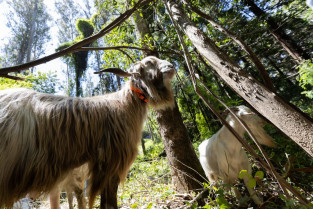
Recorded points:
237,126
227,135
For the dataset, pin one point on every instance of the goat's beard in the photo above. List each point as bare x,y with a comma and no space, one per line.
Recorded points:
164,98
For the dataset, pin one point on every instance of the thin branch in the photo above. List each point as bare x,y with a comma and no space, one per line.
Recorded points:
199,196
12,77
267,80
124,47
127,55
80,44
110,48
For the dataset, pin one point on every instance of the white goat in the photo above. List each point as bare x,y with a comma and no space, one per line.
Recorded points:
43,137
223,156
73,183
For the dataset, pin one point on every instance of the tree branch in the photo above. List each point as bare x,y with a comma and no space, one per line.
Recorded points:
12,77
79,45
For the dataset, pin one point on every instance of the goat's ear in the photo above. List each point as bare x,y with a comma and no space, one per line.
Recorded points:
135,69
226,111
116,71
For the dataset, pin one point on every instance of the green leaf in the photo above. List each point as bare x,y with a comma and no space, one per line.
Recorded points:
134,205
242,174
259,174
149,205
252,183
222,202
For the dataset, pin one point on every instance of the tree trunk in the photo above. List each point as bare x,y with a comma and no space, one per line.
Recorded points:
184,163
32,32
186,170
295,51
290,121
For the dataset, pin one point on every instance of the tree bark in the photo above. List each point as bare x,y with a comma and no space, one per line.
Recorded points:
295,51
290,121
186,170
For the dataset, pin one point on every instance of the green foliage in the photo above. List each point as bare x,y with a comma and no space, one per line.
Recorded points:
6,83
85,27
44,82
79,60
148,181
41,82
251,182
306,78
291,203
259,175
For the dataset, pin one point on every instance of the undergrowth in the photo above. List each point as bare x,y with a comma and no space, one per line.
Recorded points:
148,184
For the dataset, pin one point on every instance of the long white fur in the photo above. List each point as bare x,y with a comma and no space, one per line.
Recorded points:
222,155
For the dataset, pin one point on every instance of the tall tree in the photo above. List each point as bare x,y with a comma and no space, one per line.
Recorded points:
186,170
80,59
68,12
29,26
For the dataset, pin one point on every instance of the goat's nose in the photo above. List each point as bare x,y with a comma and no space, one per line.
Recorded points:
166,65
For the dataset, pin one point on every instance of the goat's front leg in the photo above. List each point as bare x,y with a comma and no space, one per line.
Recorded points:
55,198
109,194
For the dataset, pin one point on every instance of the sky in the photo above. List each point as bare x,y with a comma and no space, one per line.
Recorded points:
5,33
54,65
309,3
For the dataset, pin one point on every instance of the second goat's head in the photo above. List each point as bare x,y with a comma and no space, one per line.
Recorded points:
153,77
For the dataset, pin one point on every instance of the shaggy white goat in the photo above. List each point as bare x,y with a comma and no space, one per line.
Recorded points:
223,156
73,183
43,137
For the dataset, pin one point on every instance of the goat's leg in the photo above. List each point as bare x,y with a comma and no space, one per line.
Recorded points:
252,192
55,198
109,194
81,201
236,192
70,198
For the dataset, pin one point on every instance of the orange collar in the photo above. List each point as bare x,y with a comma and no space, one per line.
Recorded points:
140,94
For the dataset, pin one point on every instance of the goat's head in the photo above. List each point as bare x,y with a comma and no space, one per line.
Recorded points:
254,122
152,76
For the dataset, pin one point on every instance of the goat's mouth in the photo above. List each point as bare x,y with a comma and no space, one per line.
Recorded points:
169,72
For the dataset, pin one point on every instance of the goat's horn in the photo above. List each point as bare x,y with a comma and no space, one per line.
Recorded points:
227,111
116,71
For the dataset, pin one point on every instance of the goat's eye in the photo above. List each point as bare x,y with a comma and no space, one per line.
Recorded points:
149,63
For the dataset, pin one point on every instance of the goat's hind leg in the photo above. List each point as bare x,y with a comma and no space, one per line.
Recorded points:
81,201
